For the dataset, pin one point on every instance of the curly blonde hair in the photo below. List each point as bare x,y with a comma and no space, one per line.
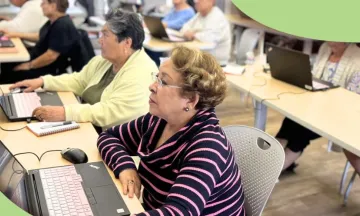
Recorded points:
201,74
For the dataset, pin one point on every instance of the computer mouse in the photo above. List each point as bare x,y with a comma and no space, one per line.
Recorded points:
74,155
18,90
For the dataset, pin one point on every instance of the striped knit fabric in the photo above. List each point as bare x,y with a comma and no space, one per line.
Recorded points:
192,173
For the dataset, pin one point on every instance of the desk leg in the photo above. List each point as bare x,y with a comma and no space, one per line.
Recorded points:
260,115
308,44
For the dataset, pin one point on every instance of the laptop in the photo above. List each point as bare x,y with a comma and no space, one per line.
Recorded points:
19,106
80,189
156,29
5,42
294,67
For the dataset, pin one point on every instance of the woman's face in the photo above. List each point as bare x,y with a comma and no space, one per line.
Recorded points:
166,100
48,8
175,2
337,47
111,48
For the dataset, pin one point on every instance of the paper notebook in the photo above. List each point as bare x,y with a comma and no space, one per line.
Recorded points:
234,69
39,128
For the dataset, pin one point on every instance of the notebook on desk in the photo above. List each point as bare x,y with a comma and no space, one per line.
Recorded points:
47,128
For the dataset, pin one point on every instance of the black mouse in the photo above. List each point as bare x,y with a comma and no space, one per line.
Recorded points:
74,155
18,90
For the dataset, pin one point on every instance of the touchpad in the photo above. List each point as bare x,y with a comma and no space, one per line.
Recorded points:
109,202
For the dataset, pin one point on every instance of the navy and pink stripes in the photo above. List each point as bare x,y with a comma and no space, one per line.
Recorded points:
192,173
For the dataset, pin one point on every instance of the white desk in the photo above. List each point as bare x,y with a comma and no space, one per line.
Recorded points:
317,111
158,45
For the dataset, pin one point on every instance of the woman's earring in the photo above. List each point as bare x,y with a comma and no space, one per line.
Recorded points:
187,109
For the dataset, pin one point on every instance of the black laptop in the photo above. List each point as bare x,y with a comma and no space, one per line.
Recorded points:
157,30
294,67
5,42
19,106
80,189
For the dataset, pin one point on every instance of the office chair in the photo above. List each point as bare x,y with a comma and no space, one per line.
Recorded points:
260,158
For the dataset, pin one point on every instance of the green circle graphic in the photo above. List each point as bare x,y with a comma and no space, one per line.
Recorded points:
8,208
327,20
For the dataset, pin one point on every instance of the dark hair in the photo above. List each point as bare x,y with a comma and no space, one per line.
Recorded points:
126,25
61,5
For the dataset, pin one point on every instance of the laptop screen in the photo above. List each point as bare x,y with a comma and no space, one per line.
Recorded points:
12,178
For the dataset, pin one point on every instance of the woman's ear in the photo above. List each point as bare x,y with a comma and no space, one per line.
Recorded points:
128,42
193,101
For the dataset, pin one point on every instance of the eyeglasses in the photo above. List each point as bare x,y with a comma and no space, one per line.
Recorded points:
162,83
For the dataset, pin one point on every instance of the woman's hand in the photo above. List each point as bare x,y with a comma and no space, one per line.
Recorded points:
5,18
50,113
130,182
190,35
30,85
10,34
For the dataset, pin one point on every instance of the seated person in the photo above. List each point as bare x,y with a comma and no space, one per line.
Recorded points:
336,63
113,86
210,25
29,19
187,165
179,15
53,45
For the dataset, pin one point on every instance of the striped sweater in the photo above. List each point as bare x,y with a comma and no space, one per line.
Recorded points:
192,173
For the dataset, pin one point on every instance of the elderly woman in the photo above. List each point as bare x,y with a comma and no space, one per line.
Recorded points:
179,15
187,165
113,86
53,45
210,25
336,63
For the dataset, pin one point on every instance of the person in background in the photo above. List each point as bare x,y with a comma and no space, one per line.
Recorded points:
179,15
337,63
29,19
113,86
54,43
210,25
187,165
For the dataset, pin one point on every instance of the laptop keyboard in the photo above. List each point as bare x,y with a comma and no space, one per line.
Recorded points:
25,103
64,193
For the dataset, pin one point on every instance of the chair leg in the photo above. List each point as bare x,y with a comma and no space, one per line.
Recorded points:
346,168
347,192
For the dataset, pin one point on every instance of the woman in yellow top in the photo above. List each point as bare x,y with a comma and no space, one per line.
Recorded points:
114,86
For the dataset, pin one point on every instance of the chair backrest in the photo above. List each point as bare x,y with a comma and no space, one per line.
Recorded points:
260,158
247,43
82,52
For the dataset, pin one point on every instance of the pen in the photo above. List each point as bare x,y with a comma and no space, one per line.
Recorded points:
56,125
